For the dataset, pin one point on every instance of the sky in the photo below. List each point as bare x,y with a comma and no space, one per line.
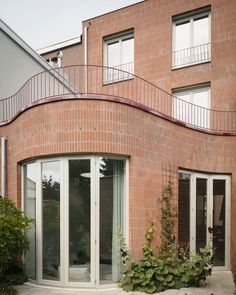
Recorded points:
41,23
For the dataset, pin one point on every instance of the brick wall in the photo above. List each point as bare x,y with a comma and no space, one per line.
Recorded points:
72,55
155,147
152,24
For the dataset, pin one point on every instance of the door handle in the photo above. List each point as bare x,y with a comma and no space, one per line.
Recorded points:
210,230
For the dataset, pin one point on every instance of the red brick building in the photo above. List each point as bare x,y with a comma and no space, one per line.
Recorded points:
96,143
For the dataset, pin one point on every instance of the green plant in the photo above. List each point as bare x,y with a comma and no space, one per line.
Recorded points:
13,244
234,278
171,268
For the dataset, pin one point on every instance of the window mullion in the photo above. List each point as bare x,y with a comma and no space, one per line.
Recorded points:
120,53
191,32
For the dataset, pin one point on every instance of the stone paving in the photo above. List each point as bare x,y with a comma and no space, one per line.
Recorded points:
220,283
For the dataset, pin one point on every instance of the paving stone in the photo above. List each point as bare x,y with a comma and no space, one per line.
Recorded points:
220,283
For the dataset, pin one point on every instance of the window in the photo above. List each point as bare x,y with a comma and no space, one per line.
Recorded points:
191,39
203,204
53,62
192,105
77,203
119,55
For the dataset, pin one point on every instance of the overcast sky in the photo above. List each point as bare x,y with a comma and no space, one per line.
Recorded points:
45,22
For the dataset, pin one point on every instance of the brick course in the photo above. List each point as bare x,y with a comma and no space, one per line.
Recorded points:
152,24
153,145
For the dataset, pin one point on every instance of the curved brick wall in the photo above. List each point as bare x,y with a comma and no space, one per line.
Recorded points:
156,148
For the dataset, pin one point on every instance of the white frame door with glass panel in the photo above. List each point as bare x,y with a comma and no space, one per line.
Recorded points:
204,214
76,203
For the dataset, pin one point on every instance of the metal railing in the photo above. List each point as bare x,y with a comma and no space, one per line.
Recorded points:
191,56
89,80
125,72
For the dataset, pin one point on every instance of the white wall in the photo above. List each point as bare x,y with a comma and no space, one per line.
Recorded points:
16,66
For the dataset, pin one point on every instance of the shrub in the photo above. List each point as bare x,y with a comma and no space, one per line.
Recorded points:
172,268
13,244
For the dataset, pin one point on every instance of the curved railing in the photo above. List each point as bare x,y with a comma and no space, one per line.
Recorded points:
105,82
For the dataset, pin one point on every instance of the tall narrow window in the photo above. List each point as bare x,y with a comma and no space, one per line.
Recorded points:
79,221
119,55
51,220
30,211
191,39
184,210
192,105
112,192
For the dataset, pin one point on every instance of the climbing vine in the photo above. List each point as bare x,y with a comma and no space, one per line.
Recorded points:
172,268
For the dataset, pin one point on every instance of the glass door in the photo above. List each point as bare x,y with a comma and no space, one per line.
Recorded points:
79,215
94,206
204,207
77,203
220,204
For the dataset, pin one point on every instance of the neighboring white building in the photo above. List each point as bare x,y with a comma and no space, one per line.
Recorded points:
18,61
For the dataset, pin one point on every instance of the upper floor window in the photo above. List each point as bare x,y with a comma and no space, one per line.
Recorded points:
191,38
192,105
55,62
119,55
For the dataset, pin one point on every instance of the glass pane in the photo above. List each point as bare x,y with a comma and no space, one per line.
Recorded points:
111,214
127,57
201,39
202,115
182,35
113,54
201,213
181,51
29,210
219,222
184,211
127,52
51,220
201,98
79,220
182,109
201,31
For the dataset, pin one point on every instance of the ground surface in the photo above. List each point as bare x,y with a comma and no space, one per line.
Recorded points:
220,283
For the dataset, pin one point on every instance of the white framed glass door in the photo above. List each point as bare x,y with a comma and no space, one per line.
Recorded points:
204,207
78,203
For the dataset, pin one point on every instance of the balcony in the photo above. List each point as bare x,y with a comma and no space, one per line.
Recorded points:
87,82
191,56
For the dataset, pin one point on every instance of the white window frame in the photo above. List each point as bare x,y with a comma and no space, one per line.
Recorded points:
121,71
64,221
192,210
190,112
190,57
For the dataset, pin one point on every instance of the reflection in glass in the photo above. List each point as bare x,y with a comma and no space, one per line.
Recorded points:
29,210
182,35
111,214
79,220
113,55
201,213
51,220
184,211
127,51
201,31
219,222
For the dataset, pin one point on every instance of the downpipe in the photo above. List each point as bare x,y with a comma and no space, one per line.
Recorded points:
3,166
